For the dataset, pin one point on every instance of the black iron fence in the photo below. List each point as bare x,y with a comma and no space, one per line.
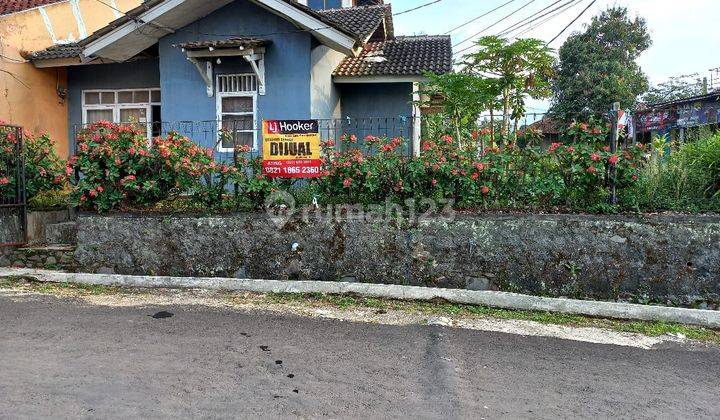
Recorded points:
223,136
13,206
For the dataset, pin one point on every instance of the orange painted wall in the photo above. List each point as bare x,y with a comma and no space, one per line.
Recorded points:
28,96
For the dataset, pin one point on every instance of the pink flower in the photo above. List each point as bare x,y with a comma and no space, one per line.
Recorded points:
475,175
353,138
570,149
554,147
594,157
99,188
4,181
434,182
613,159
591,170
347,182
485,190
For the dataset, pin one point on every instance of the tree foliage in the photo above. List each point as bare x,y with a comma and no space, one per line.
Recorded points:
598,66
465,96
520,68
674,88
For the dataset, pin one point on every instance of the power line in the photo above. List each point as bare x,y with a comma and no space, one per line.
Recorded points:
476,18
490,26
573,21
534,17
416,8
549,18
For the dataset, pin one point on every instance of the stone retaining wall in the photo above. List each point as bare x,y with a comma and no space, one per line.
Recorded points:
672,259
48,257
10,226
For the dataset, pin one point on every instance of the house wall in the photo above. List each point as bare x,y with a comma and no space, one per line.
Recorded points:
130,75
376,100
324,94
287,65
29,95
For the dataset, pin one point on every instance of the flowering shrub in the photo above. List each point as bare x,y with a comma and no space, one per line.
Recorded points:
44,170
120,169
575,176
365,173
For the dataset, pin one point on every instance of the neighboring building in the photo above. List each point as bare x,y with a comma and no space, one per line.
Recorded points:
547,128
245,61
673,118
36,98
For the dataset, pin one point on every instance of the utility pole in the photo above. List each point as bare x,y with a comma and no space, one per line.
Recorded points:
613,149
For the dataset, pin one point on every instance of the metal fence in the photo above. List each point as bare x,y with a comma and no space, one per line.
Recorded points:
223,136
12,185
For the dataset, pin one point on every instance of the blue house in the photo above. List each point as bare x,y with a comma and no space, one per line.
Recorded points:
199,65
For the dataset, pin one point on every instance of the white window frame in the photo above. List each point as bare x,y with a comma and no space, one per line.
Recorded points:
241,94
116,107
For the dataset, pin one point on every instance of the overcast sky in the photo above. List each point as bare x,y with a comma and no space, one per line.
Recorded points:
685,34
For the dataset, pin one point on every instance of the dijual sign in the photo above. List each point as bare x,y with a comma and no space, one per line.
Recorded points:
291,149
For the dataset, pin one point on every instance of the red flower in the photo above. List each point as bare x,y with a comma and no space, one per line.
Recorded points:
475,175
4,181
474,135
347,182
594,157
591,170
554,147
485,190
570,149
613,159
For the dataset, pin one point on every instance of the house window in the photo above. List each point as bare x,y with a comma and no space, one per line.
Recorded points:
237,111
131,106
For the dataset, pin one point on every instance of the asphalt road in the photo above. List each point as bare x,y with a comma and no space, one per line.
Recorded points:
62,358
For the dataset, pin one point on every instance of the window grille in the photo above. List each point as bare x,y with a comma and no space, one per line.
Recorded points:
237,83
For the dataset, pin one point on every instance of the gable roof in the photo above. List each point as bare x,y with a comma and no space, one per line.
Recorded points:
14,6
402,56
362,20
143,26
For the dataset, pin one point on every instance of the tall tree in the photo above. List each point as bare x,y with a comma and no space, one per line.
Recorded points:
678,87
598,66
521,69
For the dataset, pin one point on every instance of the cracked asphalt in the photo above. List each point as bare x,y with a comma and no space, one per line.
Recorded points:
63,358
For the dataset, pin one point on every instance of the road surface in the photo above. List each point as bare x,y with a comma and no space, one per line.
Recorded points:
66,358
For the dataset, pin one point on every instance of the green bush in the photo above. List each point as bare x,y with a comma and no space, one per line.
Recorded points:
684,178
44,170
120,170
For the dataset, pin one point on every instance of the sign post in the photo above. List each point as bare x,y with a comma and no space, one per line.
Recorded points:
291,148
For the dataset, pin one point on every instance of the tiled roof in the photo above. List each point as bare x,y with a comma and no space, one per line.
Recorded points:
148,4
226,43
363,21
13,6
58,51
547,125
402,56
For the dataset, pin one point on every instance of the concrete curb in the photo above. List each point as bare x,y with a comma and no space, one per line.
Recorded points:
505,300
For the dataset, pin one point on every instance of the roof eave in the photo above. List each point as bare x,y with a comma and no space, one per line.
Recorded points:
126,40
380,79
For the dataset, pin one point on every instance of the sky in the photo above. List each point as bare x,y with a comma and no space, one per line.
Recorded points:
685,34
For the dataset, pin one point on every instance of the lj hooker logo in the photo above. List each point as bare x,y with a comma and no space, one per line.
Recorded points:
291,149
